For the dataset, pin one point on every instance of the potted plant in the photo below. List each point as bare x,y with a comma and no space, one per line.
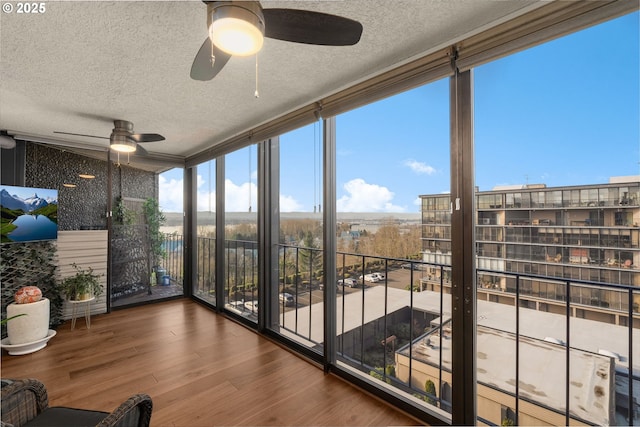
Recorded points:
27,322
82,285
154,219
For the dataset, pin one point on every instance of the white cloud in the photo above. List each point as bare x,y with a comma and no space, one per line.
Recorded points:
238,198
205,187
420,167
206,201
170,194
206,196
363,197
289,204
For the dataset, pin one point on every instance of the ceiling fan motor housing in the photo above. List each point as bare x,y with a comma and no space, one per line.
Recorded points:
122,126
122,132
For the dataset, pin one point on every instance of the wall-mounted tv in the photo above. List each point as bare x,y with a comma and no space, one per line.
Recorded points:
28,214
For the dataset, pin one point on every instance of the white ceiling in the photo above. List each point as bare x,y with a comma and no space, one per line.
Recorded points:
79,65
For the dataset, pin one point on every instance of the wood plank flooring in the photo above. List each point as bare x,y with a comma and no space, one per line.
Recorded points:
200,369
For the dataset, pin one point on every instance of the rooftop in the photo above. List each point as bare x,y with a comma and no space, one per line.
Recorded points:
591,344
590,380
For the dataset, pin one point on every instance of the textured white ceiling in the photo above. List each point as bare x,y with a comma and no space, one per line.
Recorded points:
79,65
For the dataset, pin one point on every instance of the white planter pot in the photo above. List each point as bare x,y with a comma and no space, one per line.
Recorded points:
32,327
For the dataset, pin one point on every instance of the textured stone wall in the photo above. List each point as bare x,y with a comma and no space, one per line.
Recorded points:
85,206
135,183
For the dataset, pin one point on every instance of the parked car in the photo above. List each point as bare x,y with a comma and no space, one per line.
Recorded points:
373,278
412,266
287,299
251,305
350,283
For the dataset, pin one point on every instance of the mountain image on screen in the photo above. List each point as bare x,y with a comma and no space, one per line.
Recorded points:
28,214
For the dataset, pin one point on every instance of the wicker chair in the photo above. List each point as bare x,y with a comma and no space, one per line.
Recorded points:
25,403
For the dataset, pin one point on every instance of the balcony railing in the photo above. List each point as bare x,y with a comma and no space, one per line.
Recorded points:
397,329
172,259
551,354
240,274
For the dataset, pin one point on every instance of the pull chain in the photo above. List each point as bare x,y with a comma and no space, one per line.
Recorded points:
256,94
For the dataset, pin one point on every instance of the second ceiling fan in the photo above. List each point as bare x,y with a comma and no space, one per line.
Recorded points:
123,139
239,27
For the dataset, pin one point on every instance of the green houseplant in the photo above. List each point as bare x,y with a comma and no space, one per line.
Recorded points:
154,219
121,214
82,285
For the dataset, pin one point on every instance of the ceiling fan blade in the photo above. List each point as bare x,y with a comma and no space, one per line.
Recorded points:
146,137
80,134
141,151
305,26
202,68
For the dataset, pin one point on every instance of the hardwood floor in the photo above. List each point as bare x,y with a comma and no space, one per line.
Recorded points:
200,369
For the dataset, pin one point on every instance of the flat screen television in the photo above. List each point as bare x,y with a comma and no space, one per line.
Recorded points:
28,214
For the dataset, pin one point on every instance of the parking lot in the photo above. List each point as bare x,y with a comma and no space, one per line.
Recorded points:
398,278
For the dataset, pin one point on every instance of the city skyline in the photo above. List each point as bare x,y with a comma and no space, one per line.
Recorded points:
579,128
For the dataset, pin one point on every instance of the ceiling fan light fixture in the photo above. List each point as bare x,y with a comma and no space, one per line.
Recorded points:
122,144
237,29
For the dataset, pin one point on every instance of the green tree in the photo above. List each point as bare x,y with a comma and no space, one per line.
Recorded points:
246,232
377,373
298,229
310,256
154,220
288,266
430,389
390,371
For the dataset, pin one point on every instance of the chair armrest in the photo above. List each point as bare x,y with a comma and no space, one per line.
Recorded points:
22,400
133,412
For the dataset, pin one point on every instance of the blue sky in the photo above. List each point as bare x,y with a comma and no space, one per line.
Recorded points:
562,113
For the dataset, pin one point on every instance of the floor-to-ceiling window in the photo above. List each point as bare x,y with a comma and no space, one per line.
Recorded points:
300,287
392,318
240,255
171,206
556,134
205,278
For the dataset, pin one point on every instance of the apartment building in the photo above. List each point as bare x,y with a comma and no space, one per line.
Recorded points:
542,242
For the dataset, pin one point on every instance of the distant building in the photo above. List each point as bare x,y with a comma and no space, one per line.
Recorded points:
591,386
587,233
599,364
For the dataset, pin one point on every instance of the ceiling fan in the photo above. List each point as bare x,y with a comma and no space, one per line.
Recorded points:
122,138
239,28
